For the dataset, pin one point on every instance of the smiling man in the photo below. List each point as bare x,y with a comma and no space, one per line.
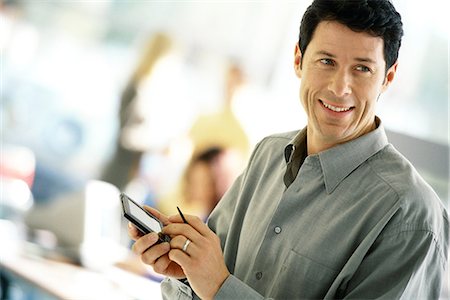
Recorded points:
343,73
330,211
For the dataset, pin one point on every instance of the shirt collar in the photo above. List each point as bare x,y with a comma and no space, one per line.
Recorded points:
338,162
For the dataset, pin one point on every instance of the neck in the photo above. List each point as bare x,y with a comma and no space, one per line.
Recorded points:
314,145
317,143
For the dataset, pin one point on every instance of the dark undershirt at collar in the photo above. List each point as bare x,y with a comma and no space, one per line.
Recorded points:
295,154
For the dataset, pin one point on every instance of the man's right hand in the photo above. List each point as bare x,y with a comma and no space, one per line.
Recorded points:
155,255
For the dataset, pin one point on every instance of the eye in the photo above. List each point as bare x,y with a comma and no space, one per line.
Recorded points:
327,61
363,69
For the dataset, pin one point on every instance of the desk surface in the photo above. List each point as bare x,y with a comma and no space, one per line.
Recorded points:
67,281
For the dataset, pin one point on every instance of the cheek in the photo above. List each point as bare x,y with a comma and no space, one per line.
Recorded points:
303,91
313,80
303,101
306,95
367,111
368,95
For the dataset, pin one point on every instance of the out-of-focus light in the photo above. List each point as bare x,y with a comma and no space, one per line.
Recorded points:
17,163
15,194
21,193
102,226
22,44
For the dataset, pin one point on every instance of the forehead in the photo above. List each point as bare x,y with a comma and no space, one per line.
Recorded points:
337,39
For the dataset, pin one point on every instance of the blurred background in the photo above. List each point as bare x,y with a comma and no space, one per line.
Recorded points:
165,100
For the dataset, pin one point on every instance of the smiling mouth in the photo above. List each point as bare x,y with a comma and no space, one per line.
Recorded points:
335,108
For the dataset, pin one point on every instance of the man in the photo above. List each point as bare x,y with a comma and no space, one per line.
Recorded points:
332,211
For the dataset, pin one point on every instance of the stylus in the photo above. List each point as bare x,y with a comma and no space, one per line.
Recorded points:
182,216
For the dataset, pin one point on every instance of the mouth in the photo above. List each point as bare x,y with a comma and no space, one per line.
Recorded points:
338,109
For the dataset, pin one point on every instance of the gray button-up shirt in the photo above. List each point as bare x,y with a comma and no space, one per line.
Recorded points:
354,221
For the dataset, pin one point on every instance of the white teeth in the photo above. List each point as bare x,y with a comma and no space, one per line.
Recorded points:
334,108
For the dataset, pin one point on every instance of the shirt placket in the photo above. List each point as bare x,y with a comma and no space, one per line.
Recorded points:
275,246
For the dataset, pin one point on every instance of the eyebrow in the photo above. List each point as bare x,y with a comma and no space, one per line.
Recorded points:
360,59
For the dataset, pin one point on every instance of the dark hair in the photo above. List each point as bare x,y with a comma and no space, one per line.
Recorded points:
208,155
376,17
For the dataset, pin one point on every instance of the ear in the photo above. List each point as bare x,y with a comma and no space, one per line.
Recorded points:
298,61
390,74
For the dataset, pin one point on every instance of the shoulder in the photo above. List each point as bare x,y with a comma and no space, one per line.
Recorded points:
266,157
400,175
271,148
419,207
283,137
276,140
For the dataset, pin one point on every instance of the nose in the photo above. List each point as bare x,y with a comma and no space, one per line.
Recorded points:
340,84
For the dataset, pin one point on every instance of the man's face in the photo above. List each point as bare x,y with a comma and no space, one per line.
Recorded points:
342,74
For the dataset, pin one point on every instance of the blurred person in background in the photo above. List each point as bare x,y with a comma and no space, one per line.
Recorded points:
125,163
222,127
220,147
207,177
332,211
156,109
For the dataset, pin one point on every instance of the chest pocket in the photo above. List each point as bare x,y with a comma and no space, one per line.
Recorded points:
303,278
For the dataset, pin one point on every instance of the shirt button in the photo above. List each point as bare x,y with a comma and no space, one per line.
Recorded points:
258,275
277,230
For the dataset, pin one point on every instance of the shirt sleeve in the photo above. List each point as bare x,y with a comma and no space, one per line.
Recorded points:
175,289
407,264
233,288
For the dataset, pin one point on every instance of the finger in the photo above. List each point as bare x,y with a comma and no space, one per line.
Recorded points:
179,241
152,255
181,258
194,221
144,242
163,218
176,229
162,264
133,232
